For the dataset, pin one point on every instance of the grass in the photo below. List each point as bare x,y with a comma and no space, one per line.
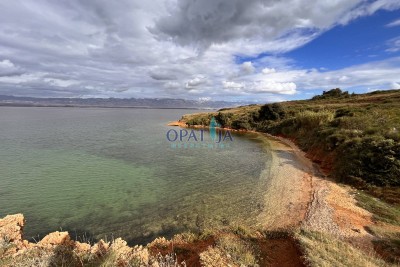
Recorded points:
238,250
387,237
382,211
325,250
358,134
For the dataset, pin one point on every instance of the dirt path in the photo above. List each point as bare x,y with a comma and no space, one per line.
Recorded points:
307,198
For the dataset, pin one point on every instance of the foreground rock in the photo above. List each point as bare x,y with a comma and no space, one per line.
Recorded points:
57,249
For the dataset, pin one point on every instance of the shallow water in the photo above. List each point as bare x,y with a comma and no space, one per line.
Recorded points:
112,172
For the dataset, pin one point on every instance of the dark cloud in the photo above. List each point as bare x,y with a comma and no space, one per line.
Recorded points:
162,75
218,21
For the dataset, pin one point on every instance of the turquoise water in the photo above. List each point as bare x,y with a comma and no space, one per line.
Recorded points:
104,173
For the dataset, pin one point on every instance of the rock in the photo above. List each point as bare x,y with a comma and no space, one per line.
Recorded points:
55,239
11,228
11,232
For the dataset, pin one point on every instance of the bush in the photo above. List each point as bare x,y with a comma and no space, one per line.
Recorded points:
373,159
224,119
272,112
241,124
333,93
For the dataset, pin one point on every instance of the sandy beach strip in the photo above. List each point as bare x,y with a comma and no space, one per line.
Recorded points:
288,188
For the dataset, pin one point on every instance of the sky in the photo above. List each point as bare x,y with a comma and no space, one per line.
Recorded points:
232,50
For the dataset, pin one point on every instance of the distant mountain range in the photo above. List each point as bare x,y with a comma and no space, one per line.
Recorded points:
116,102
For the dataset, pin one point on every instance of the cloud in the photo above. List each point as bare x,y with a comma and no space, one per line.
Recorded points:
210,22
59,82
247,68
163,48
273,87
7,68
366,8
393,44
162,75
172,85
195,82
233,85
260,87
378,74
395,85
268,70
393,23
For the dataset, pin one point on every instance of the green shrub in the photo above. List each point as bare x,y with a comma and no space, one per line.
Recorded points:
272,112
333,93
240,124
224,119
374,159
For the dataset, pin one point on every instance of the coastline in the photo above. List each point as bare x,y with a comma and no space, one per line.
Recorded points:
300,195
297,197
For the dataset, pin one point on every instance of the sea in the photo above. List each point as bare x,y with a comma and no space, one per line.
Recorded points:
103,173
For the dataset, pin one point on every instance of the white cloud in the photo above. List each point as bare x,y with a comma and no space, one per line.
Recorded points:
378,74
260,87
195,82
205,99
394,85
393,44
59,82
268,70
6,64
172,85
273,87
233,85
366,8
393,23
7,68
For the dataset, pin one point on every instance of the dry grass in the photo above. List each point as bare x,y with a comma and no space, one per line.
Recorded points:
381,210
325,250
238,250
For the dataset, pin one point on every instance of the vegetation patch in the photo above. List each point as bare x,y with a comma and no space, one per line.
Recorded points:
361,133
326,250
382,211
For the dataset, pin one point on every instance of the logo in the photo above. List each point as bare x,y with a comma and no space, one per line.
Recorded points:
185,138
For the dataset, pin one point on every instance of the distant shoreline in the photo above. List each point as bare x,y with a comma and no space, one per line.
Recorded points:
116,107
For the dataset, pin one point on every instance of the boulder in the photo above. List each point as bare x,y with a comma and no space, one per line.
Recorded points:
55,239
